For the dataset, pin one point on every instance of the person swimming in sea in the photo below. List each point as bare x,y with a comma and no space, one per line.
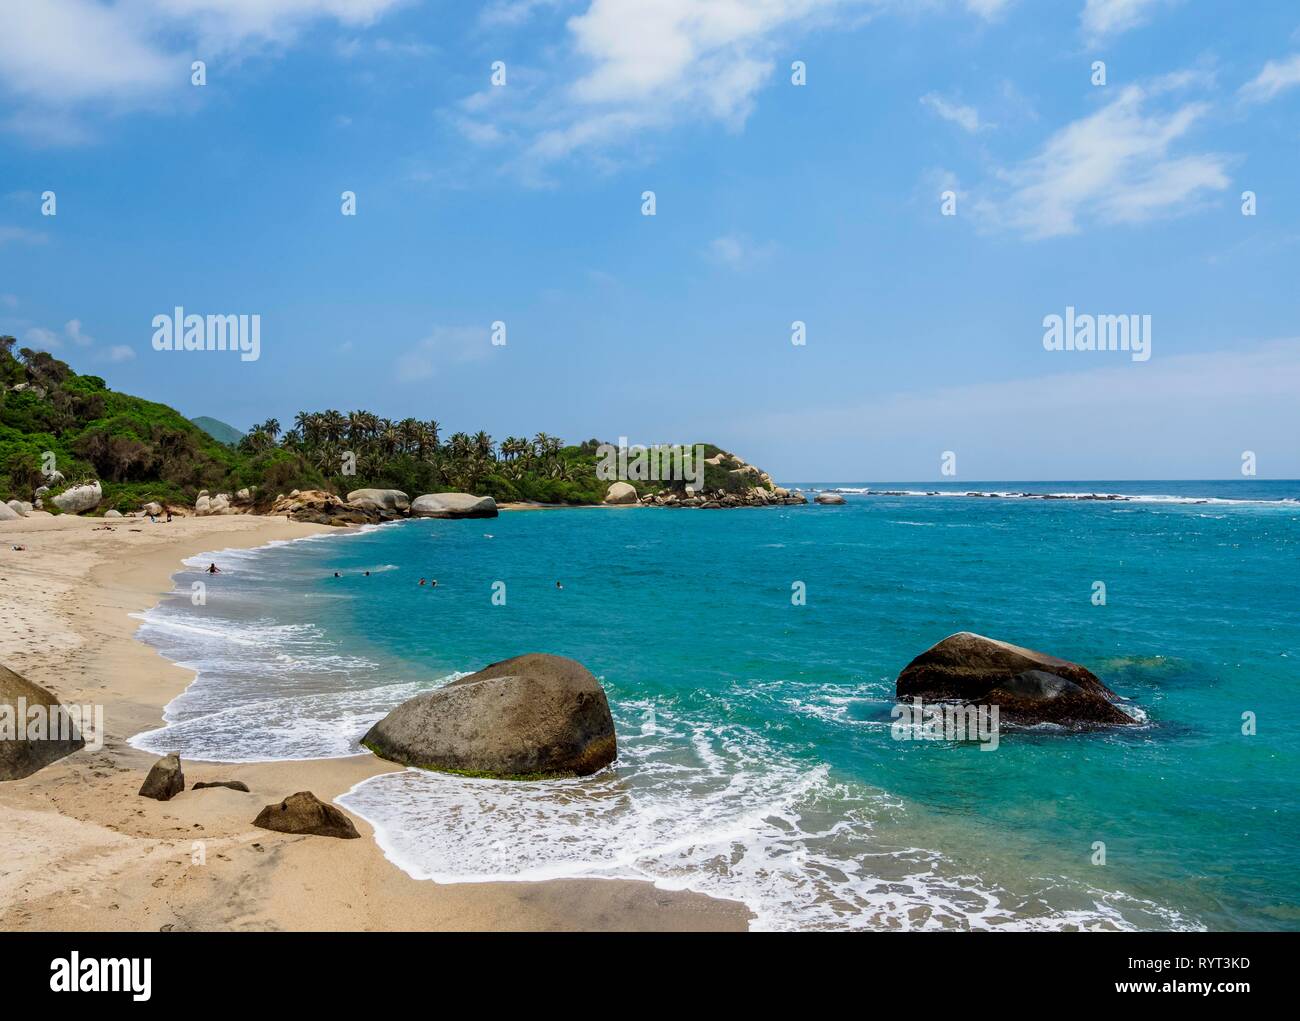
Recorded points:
559,586
421,581
336,574
213,569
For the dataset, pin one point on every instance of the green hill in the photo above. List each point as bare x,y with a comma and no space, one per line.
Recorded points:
218,430
52,418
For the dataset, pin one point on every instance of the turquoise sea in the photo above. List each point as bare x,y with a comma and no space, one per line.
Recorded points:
755,752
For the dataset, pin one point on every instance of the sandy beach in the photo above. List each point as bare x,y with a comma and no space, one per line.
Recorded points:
80,850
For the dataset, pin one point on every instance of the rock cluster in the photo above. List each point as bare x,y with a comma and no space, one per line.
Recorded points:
757,489
719,499
322,508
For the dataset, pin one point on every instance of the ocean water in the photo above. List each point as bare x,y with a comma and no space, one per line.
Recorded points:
755,752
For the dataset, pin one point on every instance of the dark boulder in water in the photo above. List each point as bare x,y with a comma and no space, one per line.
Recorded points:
1026,686
234,785
531,717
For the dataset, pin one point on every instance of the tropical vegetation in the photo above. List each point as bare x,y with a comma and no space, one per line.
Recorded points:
139,450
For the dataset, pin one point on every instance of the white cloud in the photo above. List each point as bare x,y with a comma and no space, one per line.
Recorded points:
38,338
1276,77
58,56
72,329
118,353
511,13
735,251
41,339
646,64
446,345
1114,166
1109,17
69,50
22,235
988,9
965,117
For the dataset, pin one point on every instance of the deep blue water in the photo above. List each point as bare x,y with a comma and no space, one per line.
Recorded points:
756,758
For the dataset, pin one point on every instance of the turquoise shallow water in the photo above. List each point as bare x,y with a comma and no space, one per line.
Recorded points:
756,757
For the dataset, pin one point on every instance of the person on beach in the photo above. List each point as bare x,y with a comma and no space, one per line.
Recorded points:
213,569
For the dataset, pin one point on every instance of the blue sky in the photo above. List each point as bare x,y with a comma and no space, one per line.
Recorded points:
775,203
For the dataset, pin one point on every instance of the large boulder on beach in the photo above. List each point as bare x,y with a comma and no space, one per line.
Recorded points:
1026,686
20,507
535,716
621,493
79,499
453,505
392,500
305,813
165,779
35,729
7,513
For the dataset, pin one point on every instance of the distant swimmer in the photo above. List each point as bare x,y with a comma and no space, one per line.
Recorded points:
336,574
421,581
434,583
367,574
213,569
558,585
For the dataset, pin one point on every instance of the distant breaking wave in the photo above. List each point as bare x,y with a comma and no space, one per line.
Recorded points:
1081,496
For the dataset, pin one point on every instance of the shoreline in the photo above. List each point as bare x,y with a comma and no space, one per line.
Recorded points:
82,851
